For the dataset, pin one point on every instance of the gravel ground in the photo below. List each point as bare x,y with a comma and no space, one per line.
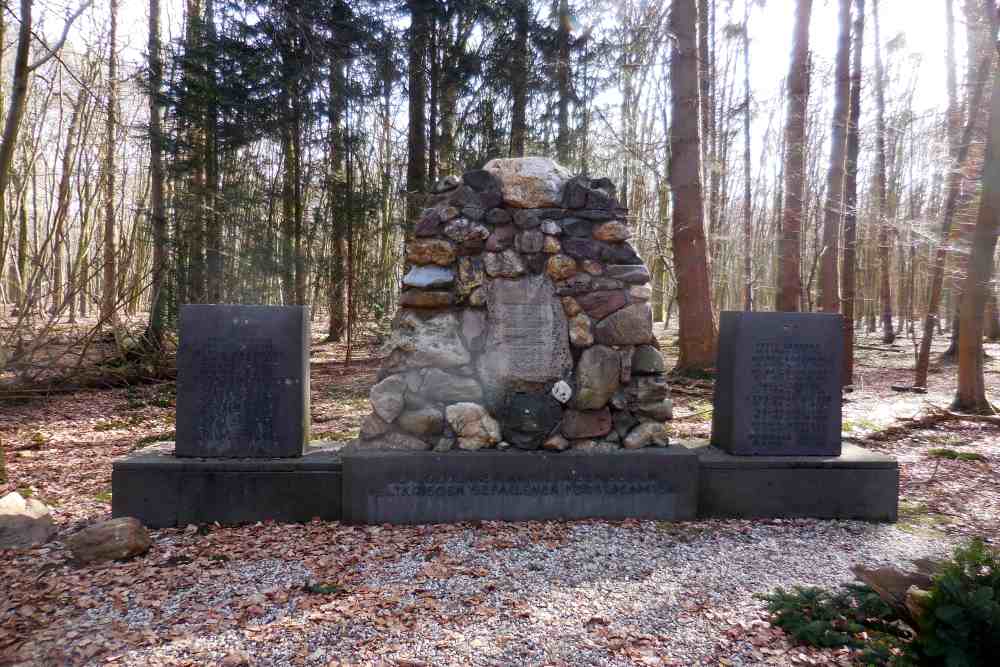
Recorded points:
587,593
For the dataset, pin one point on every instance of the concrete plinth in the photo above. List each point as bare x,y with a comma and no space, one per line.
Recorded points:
162,490
858,484
382,486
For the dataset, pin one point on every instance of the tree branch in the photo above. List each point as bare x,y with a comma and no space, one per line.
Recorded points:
52,51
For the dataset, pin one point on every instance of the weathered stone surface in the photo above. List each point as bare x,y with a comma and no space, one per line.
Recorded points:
612,231
584,248
429,224
633,274
462,231
530,182
625,353
527,338
430,251
525,219
647,389
425,277
601,304
640,293
647,434
473,425
446,184
601,195
388,397
427,341
575,192
657,411
475,213
561,267
551,246
595,446
620,400
471,274
490,199
372,426
448,213
474,329
578,284
575,227
466,196
506,264
556,443
551,227
597,377
116,539
444,444
592,267
422,422
623,421
586,424
562,392
441,387
620,253
581,333
398,441
632,325
498,216
501,238
24,523
598,215
647,360
419,298
530,240
481,180
534,262
571,306
552,213
478,297
528,418
603,283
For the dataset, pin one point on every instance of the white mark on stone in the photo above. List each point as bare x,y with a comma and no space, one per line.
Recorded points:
561,391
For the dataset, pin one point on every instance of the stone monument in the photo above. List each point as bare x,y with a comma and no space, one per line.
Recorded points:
778,386
242,451
525,337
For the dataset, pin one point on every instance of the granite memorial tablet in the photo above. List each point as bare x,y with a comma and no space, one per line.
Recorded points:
243,381
778,388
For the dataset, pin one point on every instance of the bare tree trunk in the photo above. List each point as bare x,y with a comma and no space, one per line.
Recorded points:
848,273
748,296
110,283
950,204
63,201
338,251
519,80
884,243
790,280
971,393
992,317
158,213
698,334
562,81
829,277
213,218
416,165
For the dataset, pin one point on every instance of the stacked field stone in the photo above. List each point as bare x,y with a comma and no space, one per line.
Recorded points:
524,321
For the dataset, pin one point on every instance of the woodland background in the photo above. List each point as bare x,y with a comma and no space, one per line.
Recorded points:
275,151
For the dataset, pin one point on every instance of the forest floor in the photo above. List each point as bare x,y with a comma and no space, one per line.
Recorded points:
586,592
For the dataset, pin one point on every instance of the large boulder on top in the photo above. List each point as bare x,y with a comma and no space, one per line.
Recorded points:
529,182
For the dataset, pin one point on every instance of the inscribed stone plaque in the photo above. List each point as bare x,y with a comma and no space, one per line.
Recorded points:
243,381
527,338
778,387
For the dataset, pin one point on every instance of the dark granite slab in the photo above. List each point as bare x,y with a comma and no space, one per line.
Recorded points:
243,381
778,387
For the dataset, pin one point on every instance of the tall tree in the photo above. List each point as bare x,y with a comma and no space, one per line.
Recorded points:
519,79
157,212
416,162
748,296
970,395
698,333
109,284
213,218
829,276
789,279
562,82
848,272
884,241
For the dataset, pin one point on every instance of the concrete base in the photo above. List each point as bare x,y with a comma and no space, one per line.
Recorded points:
162,490
382,486
858,484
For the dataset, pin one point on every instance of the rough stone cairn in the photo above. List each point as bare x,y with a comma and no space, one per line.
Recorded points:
524,321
